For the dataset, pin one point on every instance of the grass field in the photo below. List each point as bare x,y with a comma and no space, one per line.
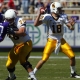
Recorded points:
56,68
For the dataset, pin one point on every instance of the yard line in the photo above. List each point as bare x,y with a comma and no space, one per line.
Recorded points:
37,57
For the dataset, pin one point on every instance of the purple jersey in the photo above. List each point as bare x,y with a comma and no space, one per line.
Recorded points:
3,30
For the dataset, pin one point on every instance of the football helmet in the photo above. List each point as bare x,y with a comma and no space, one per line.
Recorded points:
10,13
10,16
55,7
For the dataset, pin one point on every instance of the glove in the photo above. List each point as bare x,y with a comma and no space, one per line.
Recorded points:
10,31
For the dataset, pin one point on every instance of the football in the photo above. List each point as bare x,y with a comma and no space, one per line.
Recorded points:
42,10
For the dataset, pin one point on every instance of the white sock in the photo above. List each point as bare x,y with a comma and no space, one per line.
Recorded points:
35,70
32,74
11,74
72,69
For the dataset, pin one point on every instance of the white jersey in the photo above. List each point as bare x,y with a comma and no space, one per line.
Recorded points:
55,28
65,17
19,39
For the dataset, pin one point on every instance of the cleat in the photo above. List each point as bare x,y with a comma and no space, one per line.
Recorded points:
13,78
29,77
74,75
33,79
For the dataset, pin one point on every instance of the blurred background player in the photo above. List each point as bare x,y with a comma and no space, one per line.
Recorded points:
22,44
55,24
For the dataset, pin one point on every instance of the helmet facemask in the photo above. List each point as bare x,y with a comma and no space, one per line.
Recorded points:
11,21
59,10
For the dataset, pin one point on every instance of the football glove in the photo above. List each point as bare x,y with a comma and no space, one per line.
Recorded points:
10,31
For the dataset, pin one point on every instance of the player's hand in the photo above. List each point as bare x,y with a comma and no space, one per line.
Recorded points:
72,21
42,10
10,31
72,28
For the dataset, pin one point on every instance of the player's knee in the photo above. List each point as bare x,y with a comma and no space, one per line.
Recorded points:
44,59
9,65
72,56
11,69
27,65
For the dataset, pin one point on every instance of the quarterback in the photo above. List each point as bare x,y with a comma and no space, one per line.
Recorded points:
55,31
22,47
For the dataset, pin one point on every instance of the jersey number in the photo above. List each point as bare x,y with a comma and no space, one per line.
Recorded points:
56,29
22,21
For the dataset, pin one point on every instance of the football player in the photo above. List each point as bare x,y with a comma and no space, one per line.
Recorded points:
55,25
22,44
3,28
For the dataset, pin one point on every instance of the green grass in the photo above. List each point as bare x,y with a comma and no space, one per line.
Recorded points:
53,69
40,54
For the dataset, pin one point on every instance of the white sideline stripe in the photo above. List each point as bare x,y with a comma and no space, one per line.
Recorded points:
37,57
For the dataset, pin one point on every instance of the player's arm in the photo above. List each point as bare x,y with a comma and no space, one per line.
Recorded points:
38,22
21,28
71,24
21,31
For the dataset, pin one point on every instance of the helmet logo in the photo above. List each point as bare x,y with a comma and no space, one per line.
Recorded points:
53,6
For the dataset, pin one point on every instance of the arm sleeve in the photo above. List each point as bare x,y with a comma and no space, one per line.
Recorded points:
66,19
21,23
